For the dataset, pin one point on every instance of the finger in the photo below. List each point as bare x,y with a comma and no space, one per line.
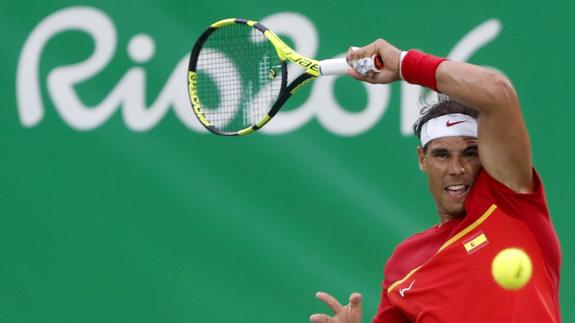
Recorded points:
330,301
368,77
353,73
350,55
355,300
319,318
355,53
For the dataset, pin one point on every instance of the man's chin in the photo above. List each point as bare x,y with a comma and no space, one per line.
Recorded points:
457,213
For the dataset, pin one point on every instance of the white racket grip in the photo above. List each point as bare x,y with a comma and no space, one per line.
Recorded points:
338,66
333,66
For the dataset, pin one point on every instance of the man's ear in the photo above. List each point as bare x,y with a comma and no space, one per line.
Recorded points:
421,158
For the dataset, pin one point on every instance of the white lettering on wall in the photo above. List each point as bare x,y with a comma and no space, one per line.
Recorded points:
129,92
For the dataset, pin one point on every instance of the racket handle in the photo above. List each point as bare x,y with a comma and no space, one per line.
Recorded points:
334,66
338,66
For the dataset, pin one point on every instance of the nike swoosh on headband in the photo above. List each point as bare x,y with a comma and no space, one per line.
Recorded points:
449,124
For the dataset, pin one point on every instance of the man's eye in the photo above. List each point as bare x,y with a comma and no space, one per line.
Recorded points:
471,153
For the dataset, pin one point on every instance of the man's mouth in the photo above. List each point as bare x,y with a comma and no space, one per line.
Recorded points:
457,191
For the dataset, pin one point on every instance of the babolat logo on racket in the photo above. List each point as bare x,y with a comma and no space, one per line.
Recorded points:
192,87
302,61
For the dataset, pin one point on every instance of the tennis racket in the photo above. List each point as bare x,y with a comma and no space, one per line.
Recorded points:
238,75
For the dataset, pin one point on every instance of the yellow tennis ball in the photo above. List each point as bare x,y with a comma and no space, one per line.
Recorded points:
511,268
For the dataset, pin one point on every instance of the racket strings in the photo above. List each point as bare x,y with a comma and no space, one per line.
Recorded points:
239,77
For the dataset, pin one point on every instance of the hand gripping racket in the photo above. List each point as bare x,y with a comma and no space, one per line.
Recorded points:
238,75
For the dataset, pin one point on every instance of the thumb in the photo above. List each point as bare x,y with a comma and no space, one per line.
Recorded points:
355,300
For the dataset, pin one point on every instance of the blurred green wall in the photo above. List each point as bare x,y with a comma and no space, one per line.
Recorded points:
115,206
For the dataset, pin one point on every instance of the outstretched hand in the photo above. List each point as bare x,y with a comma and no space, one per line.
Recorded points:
390,56
351,313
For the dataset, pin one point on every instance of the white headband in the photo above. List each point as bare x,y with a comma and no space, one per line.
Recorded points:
448,125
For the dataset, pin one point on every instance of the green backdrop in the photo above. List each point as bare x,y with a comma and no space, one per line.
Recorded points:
116,207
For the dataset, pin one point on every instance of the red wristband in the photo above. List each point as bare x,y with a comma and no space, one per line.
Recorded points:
419,68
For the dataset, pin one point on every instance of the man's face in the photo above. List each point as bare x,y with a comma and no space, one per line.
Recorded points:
451,165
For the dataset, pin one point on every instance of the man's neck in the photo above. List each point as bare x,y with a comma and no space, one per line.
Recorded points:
444,218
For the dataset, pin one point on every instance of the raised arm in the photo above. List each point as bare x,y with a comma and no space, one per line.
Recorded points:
504,146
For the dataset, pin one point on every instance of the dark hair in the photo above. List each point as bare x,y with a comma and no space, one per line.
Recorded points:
445,105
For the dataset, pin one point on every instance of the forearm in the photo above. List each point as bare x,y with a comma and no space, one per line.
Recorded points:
477,87
483,89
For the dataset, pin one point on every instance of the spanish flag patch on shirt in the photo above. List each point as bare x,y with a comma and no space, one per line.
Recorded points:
475,242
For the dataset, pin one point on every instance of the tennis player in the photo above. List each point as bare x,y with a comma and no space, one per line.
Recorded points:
476,153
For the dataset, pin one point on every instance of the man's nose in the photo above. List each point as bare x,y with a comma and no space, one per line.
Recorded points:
456,166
